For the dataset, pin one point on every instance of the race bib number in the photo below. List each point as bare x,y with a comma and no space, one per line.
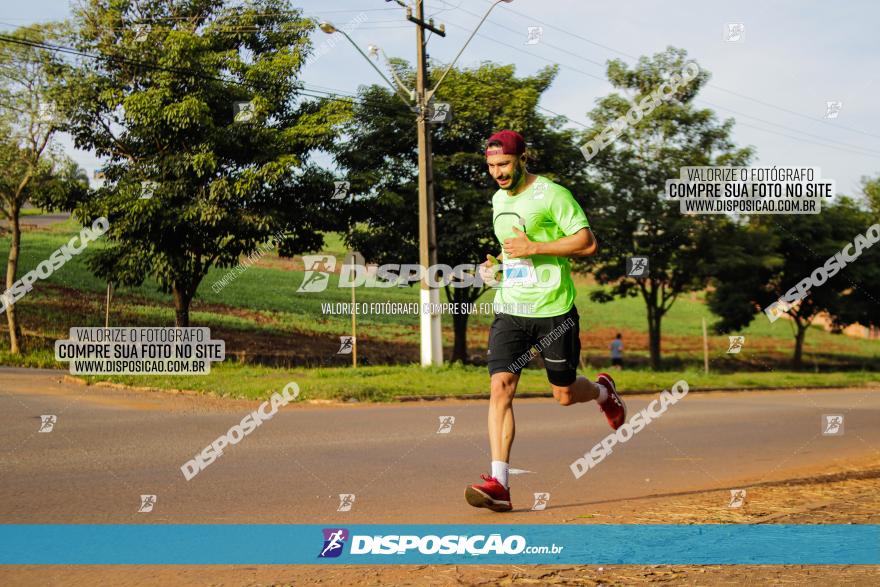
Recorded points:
519,272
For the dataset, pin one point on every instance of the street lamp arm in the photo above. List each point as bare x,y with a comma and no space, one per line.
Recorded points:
379,71
330,29
466,43
399,81
374,50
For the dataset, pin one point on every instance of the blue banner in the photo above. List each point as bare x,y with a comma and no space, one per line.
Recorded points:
207,544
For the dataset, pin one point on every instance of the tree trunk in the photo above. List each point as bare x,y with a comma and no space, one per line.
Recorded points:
182,299
654,317
459,323
799,344
11,270
654,338
459,347
463,296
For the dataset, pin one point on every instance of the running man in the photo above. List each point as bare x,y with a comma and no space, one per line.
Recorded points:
540,225
334,542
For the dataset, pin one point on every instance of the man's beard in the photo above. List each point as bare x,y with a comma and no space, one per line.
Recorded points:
516,178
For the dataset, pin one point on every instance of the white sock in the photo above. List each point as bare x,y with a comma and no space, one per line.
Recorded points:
499,471
603,393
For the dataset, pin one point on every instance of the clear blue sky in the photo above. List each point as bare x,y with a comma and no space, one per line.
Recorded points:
794,57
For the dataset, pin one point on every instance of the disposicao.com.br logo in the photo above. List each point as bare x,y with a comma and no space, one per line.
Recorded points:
318,269
453,544
334,541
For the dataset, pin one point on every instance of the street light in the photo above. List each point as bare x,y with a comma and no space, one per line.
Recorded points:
431,343
328,28
374,51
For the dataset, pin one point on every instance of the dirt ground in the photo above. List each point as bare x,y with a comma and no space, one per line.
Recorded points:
849,496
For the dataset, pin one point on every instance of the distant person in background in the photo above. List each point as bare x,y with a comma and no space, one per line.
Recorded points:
617,352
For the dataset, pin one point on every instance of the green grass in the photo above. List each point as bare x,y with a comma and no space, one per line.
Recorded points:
38,359
386,383
258,288
271,292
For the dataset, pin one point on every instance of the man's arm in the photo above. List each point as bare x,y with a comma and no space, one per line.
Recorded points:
580,244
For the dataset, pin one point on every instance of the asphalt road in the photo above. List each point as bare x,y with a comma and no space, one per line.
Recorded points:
109,446
42,220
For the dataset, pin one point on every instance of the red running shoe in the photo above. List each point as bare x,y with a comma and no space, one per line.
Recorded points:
491,494
613,407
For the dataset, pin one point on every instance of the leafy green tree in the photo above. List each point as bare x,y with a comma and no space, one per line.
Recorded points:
379,159
758,263
862,301
197,109
630,215
30,169
871,195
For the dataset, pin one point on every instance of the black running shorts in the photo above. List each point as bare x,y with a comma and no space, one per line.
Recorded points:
557,338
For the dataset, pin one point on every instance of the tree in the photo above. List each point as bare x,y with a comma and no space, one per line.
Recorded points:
861,302
871,195
380,157
197,109
630,215
28,167
758,263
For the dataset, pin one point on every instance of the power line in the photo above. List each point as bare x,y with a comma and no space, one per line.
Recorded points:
858,149
117,58
570,33
270,14
515,48
803,140
847,145
446,2
743,96
246,27
331,95
178,70
578,122
338,96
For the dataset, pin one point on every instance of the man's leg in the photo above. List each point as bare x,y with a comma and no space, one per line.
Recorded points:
559,338
509,344
561,349
494,493
501,424
582,390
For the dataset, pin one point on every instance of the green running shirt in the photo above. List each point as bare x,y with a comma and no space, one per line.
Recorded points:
549,212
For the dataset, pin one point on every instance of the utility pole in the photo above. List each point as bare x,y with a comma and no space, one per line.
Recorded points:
431,342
